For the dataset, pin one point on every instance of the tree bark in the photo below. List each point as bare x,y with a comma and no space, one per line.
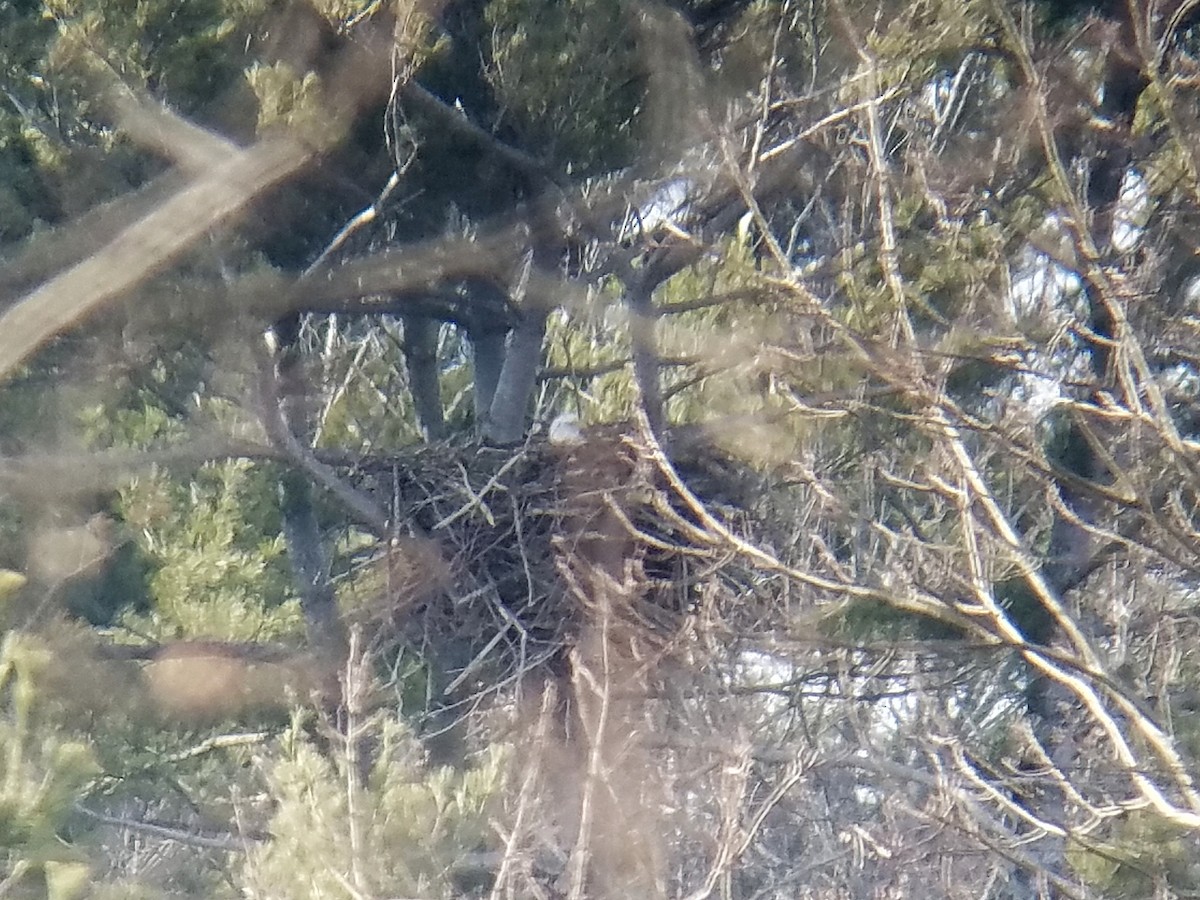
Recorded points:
645,353
506,420
1054,711
488,354
302,533
421,363
488,333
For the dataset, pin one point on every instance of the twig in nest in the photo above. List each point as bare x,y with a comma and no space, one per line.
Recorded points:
477,497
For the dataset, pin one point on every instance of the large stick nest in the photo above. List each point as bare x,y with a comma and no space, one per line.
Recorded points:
513,552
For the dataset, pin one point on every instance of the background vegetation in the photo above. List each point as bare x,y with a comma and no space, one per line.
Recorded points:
599,448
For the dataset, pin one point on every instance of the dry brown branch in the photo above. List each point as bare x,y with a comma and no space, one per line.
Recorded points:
146,247
231,181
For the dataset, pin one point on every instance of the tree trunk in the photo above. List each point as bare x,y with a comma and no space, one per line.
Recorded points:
1054,710
645,353
302,534
421,363
510,405
487,347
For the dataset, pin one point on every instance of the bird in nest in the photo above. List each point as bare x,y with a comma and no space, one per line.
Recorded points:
565,430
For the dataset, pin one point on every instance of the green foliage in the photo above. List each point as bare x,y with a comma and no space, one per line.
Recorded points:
42,777
949,268
24,200
1143,855
24,31
400,834
219,557
204,556
57,152
946,270
344,10
286,97
729,342
368,404
747,56
925,36
24,197
598,342
190,52
568,72
876,620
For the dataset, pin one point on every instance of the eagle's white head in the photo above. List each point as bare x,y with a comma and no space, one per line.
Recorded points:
565,430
